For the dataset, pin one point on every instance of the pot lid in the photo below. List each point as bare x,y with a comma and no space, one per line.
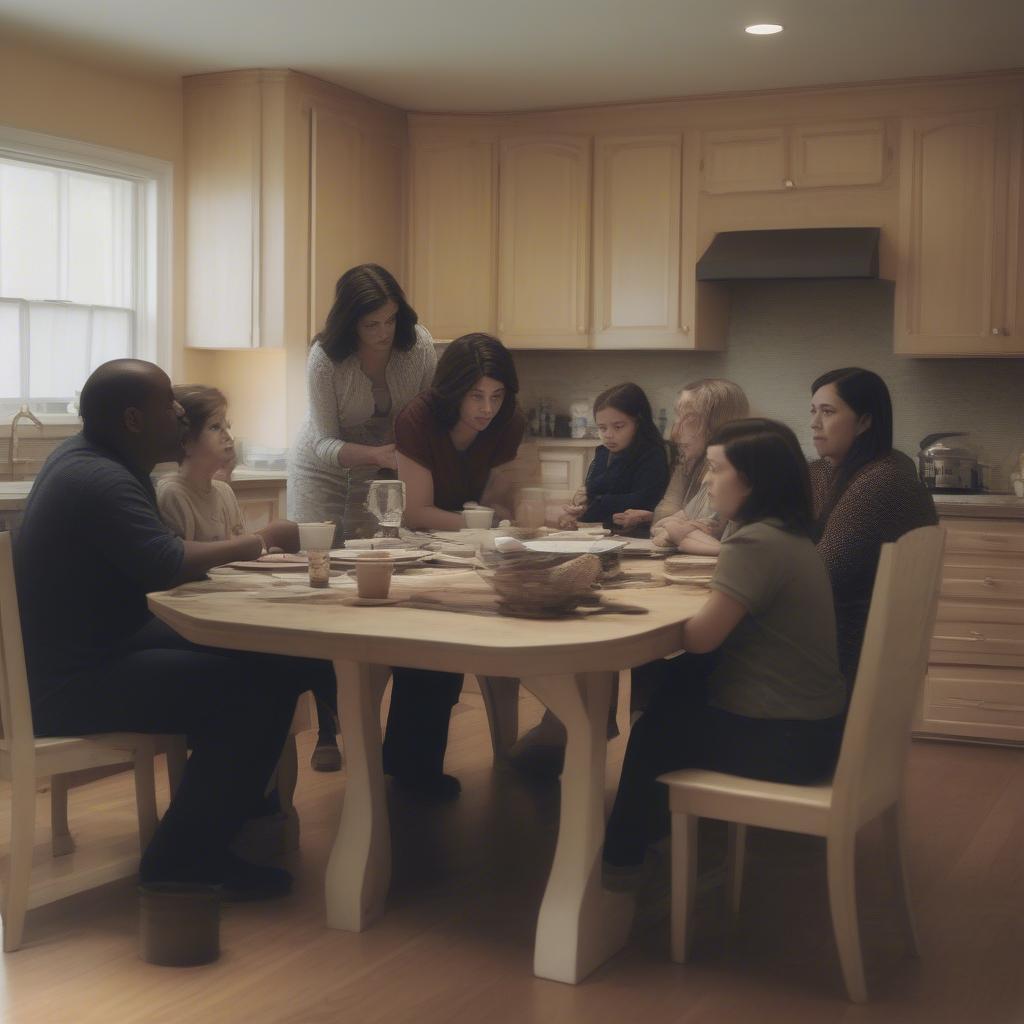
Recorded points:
933,446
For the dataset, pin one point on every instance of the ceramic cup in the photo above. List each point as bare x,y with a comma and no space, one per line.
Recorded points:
316,540
478,518
373,574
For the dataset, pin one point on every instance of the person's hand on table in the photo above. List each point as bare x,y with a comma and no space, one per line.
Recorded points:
570,516
386,456
281,534
632,518
670,531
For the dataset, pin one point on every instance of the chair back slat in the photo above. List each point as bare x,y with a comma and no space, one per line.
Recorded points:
15,707
893,663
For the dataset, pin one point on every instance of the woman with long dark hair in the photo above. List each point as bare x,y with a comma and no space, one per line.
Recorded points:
452,441
453,438
865,494
368,362
759,692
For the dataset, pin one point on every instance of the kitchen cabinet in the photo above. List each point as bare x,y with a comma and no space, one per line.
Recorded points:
645,295
975,683
960,269
806,155
453,235
544,241
261,500
288,183
222,128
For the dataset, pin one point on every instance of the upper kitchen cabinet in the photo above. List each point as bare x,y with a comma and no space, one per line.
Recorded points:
960,269
812,155
223,118
544,241
453,235
356,202
642,298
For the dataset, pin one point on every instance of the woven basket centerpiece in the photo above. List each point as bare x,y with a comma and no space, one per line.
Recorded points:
542,586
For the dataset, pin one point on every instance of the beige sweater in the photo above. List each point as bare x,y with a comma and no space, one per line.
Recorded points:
199,514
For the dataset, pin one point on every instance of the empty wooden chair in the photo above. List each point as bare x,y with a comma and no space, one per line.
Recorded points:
72,760
868,781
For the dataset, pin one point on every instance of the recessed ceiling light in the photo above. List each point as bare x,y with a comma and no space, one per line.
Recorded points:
763,30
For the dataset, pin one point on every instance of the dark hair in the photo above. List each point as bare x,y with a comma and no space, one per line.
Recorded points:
866,394
199,403
359,291
631,399
768,456
461,365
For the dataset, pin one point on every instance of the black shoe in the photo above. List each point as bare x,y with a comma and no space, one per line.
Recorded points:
243,881
440,788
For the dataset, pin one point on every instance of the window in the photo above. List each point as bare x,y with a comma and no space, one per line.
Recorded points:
83,252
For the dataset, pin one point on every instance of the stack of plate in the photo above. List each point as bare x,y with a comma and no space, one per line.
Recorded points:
690,569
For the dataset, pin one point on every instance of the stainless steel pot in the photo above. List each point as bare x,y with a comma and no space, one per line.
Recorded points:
948,468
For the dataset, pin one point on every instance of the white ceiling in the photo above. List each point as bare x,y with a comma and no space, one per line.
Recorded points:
527,54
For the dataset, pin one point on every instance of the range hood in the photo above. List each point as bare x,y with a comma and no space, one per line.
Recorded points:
790,253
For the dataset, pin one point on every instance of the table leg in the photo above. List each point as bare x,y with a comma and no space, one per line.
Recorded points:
580,925
359,869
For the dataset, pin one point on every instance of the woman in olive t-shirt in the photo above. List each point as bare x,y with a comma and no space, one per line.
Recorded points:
759,692
449,439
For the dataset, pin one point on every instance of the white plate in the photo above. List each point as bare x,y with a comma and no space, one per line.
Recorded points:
339,556
585,546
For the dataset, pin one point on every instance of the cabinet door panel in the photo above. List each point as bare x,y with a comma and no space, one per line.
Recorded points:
637,242
838,154
972,701
945,294
222,131
453,241
745,160
544,241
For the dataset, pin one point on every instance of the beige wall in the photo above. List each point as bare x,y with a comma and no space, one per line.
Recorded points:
52,92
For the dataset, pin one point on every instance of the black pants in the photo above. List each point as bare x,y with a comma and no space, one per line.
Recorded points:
679,729
236,707
417,731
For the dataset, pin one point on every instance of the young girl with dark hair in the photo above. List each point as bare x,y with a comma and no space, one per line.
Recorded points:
369,361
865,494
759,692
630,470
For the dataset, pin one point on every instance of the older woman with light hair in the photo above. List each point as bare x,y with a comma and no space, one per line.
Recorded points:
683,518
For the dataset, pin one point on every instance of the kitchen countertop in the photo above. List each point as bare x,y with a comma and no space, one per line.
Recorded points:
980,506
14,493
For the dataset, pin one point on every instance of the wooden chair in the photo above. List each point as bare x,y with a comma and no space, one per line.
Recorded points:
868,781
69,761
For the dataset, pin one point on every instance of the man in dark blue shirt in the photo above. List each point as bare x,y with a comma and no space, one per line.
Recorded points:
91,546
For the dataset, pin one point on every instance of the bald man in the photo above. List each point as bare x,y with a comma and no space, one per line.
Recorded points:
90,548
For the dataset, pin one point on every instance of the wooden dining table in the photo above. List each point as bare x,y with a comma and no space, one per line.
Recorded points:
570,664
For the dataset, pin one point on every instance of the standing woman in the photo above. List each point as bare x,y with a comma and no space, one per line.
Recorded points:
368,362
451,440
866,494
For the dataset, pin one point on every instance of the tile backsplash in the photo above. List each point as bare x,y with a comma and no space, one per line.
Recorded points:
782,335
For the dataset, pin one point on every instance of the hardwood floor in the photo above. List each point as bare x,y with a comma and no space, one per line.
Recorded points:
456,942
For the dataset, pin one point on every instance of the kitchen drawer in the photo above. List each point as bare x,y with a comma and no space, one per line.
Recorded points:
973,702
990,582
1008,543
980,643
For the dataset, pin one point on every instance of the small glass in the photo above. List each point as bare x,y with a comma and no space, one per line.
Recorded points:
316,539
385,501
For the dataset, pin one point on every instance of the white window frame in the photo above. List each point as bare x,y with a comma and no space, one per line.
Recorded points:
153,285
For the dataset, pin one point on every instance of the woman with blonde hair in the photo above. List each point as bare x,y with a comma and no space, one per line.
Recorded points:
684,517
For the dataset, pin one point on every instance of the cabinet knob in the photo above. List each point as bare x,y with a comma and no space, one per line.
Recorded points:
996,330
988,581
788,182
685,328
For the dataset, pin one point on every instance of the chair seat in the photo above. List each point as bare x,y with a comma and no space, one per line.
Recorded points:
780,805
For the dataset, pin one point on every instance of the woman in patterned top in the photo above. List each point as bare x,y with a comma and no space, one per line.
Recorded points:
866,494
369,361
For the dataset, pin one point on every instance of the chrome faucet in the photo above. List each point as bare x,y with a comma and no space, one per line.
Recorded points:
24,413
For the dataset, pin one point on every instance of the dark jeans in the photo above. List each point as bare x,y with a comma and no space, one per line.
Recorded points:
236,707
679,729
417,731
